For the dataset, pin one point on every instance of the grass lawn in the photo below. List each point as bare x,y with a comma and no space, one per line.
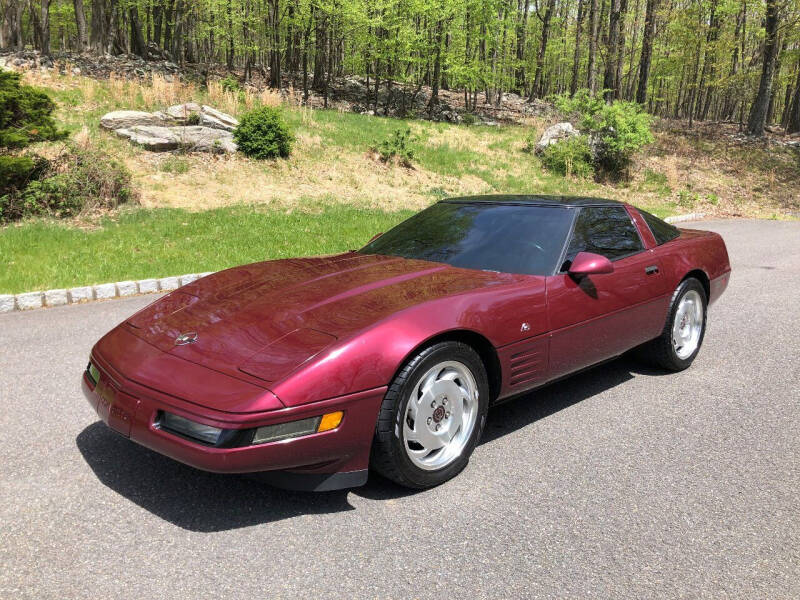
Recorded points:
161,242
200,213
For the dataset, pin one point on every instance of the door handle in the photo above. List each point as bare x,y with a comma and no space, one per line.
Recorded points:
651,270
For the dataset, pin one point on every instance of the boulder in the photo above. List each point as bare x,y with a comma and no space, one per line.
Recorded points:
193,138
151,137
555,133
183,111
122,119
211,117
198,138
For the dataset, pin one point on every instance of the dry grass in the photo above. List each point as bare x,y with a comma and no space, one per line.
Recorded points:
683,171
349,178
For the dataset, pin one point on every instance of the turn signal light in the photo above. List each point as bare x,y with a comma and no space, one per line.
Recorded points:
330,421
294,429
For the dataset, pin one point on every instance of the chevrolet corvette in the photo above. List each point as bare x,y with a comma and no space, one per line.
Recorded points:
309,372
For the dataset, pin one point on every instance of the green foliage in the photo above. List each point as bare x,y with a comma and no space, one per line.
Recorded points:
17,171
619,129
76,181
262,133
193,118
25,114
398,146
570,156
230,84
530,142
469,119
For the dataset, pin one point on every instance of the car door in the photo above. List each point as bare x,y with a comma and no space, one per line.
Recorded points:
595,317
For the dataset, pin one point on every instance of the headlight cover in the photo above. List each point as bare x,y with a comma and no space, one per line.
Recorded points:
190,429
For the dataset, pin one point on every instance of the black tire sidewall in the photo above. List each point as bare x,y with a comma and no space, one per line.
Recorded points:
444,351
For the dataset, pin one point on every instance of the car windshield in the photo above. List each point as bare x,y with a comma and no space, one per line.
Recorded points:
492,237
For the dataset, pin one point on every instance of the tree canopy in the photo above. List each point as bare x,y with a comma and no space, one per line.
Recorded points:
691,59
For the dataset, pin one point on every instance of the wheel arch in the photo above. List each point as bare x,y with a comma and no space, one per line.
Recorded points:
486,351
703,278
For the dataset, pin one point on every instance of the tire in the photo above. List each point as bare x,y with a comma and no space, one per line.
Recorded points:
688,306
407,432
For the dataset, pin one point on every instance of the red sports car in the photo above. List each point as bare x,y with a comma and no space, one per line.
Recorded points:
313,370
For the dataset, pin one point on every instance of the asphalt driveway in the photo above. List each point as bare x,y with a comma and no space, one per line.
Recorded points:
620,482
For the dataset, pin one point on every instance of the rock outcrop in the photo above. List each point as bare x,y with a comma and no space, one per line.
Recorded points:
190,127
555,133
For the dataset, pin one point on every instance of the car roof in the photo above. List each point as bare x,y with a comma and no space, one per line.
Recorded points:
533,200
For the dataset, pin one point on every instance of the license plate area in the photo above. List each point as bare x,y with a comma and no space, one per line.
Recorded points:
115,407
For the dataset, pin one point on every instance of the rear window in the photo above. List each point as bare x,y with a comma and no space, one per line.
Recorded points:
662,231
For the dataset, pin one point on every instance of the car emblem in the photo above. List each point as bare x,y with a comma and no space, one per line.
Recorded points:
525,327
190,337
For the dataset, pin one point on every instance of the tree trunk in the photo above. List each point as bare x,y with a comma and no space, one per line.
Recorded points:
793,122
522,29
319,52
437,66
137,39
620,56
275,49
538,87
80,23
594,22
776,81
758,113
647,50
44,28
609,86
576,58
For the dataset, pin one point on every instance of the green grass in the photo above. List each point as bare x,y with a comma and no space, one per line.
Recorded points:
42,255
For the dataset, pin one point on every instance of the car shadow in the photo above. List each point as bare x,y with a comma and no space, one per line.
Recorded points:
208,502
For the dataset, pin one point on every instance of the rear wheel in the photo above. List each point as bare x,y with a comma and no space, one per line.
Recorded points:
679,343
432,416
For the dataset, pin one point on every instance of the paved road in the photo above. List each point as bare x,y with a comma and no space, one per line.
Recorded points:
621,482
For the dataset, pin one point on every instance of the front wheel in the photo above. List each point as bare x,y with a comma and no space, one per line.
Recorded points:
680,341
432,416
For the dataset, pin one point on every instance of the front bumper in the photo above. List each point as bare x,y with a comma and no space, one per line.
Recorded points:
320,461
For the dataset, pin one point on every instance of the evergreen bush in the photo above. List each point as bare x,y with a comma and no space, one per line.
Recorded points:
262,133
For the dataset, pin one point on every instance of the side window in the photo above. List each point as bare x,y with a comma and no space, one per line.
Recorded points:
604,230
662,232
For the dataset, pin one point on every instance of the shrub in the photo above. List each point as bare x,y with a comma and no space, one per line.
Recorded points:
76,181
25,114
230,84
17,171
262,133
469,119
530,142
399,146
617,130
570,156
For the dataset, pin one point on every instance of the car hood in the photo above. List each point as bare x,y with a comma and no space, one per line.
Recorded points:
265,319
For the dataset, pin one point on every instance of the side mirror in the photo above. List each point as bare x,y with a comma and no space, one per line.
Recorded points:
375,237
588,263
